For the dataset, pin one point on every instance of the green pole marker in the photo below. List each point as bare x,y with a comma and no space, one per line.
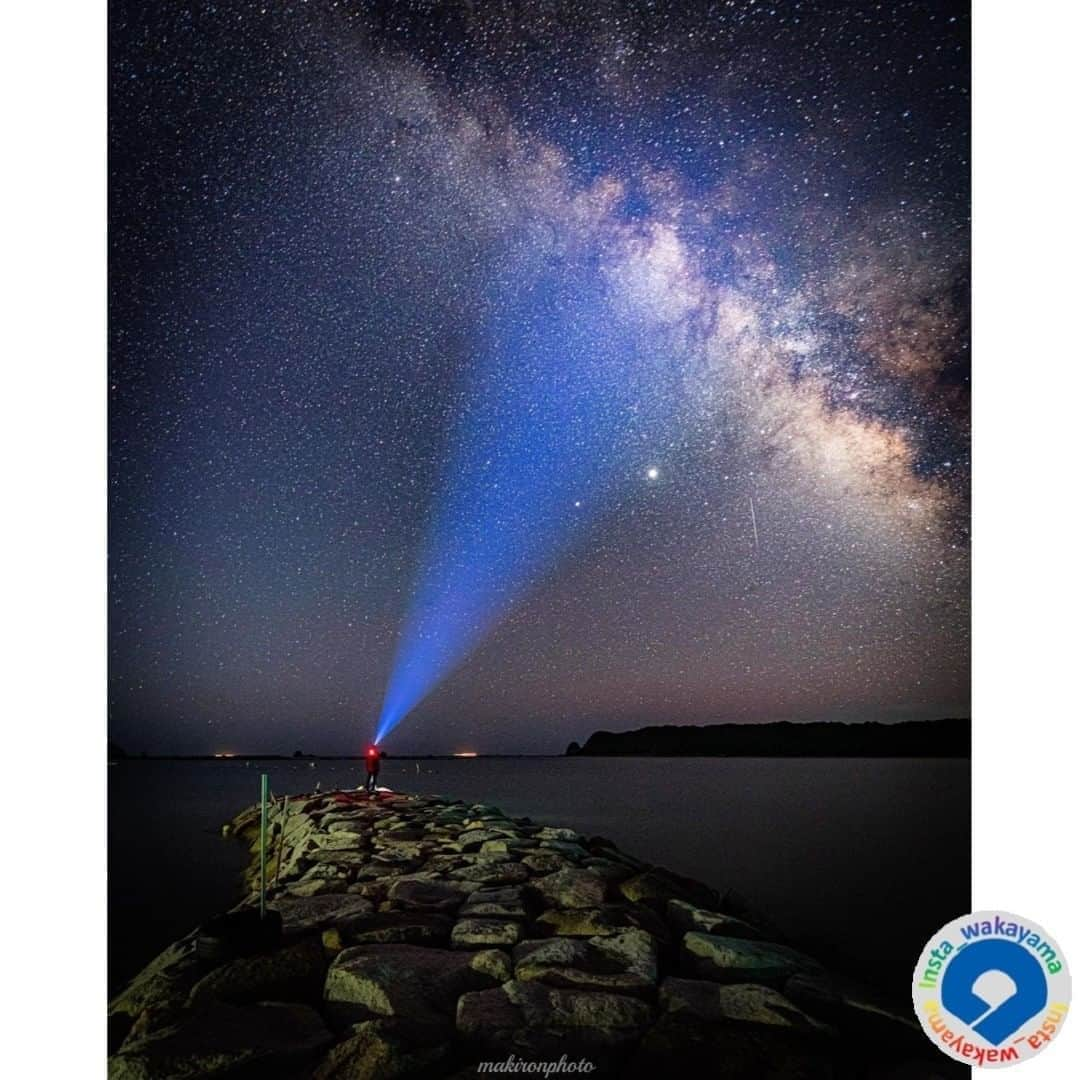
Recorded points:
264,785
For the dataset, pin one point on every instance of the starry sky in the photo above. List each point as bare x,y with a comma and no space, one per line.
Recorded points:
358,250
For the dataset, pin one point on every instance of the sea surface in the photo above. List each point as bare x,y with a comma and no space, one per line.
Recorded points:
858,860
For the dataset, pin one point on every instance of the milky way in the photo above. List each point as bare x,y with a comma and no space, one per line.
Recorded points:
319,211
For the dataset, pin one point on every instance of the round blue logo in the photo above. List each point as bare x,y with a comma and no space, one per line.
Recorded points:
991,989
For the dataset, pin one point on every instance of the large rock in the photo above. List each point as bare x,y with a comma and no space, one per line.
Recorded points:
507,902
380,869
734,960
399,928
409,982
534,1020
404,833
612,872
295,860
706,1003
394,859
735,1032
163,984
345,859
340,841
243,823
379,1051
856,1012
475,839
479,858
574,852
218,1039
485,933
356,824
572,888
544,862
506,845
685,917
656,887
600,845
817,994
375,891
444,862
318,886
602,921
494,870
405,852
481,814
323,871
548,832
293,973
416,894
303,914
623,963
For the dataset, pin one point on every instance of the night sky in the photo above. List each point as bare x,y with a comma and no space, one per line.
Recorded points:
666,303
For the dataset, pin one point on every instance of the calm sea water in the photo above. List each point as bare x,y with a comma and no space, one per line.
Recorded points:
857,859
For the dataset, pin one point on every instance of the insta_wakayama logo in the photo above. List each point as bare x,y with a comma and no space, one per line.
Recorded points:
991,989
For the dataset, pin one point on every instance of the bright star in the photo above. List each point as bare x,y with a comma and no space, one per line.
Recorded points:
652,473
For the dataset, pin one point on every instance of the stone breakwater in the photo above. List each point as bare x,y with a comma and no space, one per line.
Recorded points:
428,938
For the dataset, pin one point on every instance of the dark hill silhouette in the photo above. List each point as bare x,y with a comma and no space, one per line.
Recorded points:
914,738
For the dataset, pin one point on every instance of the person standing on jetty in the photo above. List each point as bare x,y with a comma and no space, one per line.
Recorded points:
372,762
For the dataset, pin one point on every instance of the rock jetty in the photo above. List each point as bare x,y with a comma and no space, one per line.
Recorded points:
422,937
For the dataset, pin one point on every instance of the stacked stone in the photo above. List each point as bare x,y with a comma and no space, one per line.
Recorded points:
422,937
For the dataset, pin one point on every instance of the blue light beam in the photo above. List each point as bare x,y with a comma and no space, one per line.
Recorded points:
556,415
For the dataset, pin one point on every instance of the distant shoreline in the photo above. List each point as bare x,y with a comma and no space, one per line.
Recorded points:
950,738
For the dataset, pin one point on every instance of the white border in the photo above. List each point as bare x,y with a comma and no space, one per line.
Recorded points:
53,440
1026,300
